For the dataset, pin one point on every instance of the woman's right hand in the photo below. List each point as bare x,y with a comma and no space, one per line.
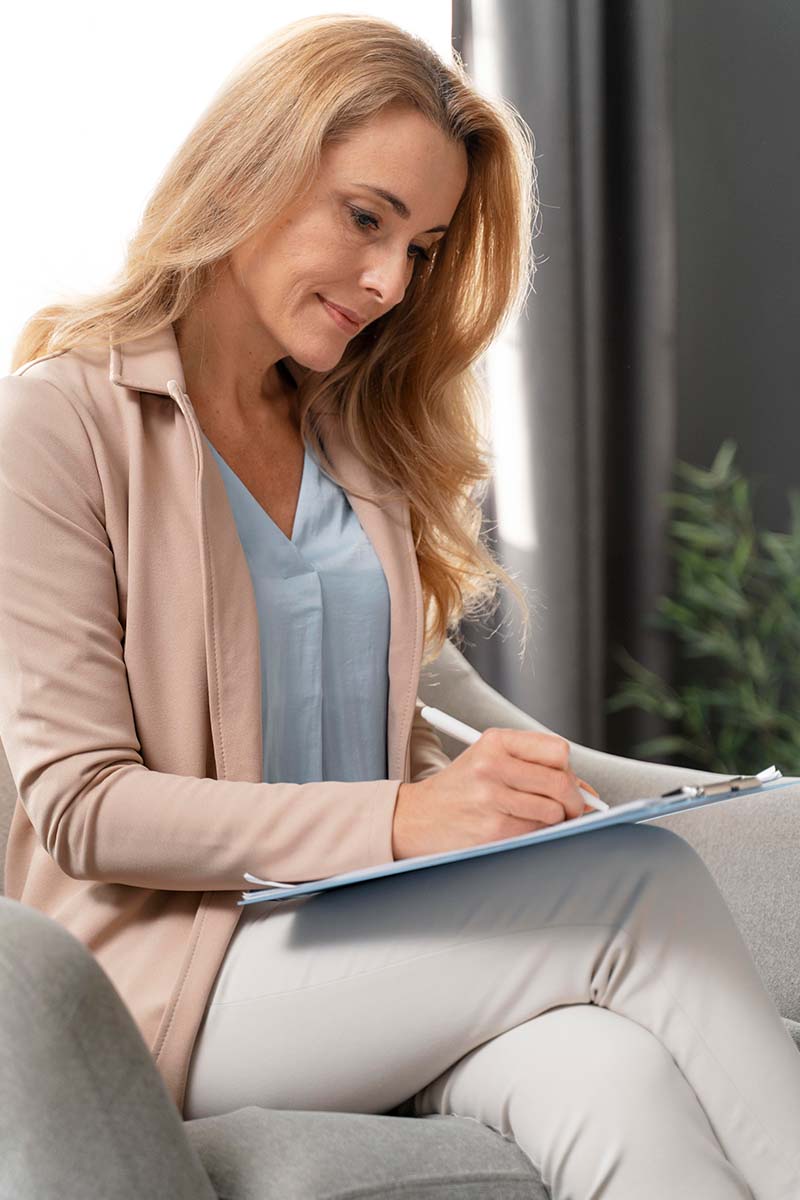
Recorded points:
509,782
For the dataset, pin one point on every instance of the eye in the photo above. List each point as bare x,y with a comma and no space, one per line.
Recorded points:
357,216
373,223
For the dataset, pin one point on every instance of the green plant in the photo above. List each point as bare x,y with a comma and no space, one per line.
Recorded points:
734,622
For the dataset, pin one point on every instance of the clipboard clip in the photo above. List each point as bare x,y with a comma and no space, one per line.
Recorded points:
739,783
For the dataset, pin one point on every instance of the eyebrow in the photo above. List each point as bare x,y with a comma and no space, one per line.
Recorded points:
397,204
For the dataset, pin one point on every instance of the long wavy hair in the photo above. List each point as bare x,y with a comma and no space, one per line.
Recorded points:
408,391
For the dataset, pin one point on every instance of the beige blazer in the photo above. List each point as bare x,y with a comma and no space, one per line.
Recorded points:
130,686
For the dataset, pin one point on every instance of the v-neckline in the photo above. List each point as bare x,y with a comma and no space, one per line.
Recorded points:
298,511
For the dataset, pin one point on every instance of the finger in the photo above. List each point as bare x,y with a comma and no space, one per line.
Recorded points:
532,809
532,783
546,748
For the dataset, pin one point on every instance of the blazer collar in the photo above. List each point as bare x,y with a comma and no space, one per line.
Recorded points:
147,364
153,364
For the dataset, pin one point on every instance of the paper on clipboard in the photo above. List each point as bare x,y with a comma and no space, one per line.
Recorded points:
634,811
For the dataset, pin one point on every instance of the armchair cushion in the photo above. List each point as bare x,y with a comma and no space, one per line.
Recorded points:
257,1154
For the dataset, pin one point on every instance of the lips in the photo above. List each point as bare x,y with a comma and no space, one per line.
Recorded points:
353,317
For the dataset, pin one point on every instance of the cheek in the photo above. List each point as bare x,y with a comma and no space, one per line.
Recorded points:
305,255
283,255
309,262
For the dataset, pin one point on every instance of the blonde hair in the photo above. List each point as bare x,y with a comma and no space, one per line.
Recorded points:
406,391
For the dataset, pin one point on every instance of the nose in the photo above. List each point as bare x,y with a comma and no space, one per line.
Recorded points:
388,275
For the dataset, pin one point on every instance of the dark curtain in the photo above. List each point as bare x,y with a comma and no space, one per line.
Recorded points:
583,386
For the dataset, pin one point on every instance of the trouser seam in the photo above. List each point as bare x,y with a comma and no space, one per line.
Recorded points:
415,958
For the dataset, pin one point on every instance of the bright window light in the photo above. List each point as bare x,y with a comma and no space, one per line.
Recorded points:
96,98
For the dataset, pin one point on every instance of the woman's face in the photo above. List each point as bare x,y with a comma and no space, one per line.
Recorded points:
345,244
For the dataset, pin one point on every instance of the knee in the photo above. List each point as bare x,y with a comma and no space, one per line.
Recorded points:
655,845
611,1058
666,865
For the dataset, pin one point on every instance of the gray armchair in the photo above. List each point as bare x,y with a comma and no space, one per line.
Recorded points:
77,1075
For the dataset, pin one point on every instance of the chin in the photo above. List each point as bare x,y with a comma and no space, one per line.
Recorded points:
324,358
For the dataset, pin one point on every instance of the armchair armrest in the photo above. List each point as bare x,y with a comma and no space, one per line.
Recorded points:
452,684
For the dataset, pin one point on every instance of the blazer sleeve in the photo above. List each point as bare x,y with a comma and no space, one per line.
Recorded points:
427,754
66,718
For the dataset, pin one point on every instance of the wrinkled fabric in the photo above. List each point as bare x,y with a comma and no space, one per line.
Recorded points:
323,617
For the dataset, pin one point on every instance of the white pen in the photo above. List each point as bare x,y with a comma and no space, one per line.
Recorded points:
465,733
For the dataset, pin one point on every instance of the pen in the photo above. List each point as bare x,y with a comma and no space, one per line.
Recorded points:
465,733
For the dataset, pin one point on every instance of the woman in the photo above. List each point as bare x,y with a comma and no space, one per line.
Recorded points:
240,504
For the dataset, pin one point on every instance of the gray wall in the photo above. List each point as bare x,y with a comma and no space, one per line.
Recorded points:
737,142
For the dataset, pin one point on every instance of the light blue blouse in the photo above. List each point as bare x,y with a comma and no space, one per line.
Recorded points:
323,617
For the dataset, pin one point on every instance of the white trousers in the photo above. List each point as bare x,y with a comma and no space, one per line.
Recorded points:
591,998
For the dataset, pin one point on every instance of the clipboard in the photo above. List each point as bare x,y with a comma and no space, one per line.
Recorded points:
678,800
